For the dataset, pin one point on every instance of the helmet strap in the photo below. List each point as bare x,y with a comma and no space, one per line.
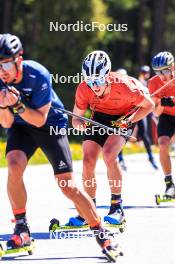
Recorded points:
17,71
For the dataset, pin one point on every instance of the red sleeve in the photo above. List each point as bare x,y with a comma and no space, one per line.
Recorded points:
81,97
155,84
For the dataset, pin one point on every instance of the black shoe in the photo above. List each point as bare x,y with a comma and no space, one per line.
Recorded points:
21,235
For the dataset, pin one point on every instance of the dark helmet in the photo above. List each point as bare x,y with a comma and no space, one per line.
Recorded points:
145,69
10,45
162,60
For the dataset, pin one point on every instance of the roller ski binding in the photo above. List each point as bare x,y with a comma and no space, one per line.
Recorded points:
116,218
77,221
56,226
7,251
20,240
169,195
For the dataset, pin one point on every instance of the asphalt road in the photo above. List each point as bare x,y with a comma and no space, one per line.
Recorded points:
148,238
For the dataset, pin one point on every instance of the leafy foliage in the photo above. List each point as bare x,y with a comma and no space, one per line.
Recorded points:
150,25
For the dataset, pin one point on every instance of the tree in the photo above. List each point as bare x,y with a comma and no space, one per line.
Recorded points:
158,26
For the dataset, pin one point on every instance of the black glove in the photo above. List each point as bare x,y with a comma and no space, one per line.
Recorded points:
125,123
167,101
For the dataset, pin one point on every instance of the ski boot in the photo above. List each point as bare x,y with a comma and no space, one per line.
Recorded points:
77,221
169,195
170,191
116,217
21,237
110,248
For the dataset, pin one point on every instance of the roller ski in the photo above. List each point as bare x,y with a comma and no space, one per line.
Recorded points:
110,248
116,218
169,195
163,199
7,251
74,226
20,240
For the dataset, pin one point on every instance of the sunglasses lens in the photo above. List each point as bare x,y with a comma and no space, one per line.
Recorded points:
90,83
100,82
167,71
6,66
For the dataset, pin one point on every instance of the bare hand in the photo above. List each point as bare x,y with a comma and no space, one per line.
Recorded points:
11,97
2,97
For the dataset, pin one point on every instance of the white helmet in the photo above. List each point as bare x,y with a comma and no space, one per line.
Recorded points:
96,66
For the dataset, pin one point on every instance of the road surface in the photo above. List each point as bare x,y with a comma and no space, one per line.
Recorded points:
148,238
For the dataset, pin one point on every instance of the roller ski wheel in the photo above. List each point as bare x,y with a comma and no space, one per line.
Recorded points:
32,247
112,254
54,225
163,199
1,251
29,249
122,227
157,199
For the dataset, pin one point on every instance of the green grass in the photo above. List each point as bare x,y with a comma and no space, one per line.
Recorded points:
76,150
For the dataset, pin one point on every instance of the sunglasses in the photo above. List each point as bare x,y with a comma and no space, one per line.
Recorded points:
6,66
100,82
166,71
